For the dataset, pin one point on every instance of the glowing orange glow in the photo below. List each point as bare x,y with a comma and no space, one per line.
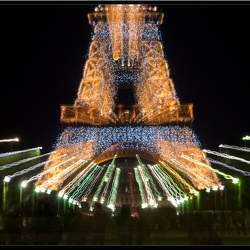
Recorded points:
126,49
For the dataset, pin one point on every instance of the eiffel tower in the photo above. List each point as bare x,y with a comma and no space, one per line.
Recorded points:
127,108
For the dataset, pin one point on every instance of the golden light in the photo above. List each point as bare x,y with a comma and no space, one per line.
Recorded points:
126,48
9,140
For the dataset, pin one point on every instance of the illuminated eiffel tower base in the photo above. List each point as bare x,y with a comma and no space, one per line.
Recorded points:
127,138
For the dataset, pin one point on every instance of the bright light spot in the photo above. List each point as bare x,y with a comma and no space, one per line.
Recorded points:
60,194
151,202
24,183
155,205
9,140
246,138
235,180
160,198
7,178
111,206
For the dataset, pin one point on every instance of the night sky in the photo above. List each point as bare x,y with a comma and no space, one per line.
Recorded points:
44,48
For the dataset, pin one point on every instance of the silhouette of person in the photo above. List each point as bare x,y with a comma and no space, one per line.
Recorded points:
66,220
100,222
142,227
28,226
12,226
77,229
2,232
203,232
48,227
243,223
124,225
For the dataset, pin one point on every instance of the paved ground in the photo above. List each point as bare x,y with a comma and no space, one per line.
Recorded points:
180,238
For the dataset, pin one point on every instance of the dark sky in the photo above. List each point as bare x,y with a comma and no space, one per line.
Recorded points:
44,47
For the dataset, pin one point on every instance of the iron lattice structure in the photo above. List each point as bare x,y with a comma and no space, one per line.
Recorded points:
126,58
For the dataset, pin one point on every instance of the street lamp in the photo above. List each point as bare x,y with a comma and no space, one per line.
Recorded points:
221,196
246,138
9,140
